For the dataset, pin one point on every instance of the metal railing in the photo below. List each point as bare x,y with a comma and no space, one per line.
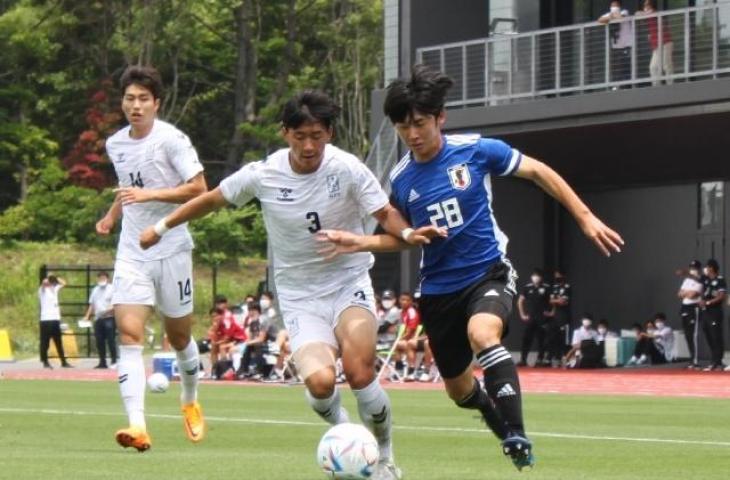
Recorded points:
637,51
382,157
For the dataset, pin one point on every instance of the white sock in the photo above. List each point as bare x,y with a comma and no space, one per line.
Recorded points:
236,358
373,405
132,382
188,363
330,409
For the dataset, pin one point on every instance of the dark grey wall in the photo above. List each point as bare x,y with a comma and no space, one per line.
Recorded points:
659,227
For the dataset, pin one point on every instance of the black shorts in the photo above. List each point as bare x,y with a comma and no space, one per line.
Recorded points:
446,317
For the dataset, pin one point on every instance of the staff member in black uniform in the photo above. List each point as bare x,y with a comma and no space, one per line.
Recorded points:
691,294
534,306
712,312
558,324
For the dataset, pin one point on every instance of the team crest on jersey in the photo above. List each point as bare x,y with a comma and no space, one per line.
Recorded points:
459,176
333,186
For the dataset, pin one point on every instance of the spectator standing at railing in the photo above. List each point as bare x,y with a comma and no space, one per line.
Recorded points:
661,54
622,39
105,328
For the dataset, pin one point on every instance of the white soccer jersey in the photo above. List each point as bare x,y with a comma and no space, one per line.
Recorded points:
101,300
165,158
295,206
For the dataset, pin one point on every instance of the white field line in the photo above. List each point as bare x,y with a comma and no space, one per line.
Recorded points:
259,421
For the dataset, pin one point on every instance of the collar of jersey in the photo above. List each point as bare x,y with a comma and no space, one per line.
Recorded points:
435,158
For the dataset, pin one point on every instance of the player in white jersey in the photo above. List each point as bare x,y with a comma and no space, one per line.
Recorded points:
328,306
157,167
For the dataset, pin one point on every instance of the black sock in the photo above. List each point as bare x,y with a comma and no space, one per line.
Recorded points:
503,386
479,400
411,370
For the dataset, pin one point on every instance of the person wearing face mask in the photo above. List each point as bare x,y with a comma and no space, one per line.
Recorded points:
559,321
585,333
690,292
388,319
712,314
622,39
105,330
268,312
655,344
534,308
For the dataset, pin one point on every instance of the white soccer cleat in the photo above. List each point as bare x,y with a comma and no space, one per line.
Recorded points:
386,470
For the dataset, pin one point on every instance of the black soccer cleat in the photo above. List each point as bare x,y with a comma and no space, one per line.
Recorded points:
519,449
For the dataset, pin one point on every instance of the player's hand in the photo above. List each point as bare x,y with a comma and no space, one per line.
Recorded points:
130,195
105,225
338,242
148,238
423,235
525,318
602,236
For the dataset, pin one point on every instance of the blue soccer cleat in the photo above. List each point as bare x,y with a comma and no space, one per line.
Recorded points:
519,448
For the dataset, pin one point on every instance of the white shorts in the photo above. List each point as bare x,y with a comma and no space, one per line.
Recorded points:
166,283
315,319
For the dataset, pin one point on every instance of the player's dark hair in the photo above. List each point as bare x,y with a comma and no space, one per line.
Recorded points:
309,106
53,279
714,265
660,316
603,322
216,310
254,306
147,77
424,92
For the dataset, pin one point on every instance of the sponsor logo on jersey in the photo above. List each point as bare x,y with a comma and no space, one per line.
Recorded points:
413,196
285,195
333,186
120,159
459,176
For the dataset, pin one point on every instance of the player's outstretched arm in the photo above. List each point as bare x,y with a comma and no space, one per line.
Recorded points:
393,223
198,207
180,194
340,242
548,179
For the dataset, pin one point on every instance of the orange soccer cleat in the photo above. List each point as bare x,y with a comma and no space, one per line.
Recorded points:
193,421
134,437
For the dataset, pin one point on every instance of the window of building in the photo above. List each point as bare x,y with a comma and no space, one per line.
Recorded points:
711,197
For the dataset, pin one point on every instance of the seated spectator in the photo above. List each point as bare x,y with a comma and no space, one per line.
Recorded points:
388,318
283,357
262,334
581,336
414,346
654,344
603,332
411,320
268,311
227,344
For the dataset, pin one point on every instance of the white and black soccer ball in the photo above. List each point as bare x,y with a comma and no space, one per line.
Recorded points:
158,383
348,452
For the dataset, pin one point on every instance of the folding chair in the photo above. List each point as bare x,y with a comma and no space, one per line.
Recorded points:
385,356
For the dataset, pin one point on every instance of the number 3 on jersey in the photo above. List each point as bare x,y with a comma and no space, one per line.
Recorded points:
313,217
448,210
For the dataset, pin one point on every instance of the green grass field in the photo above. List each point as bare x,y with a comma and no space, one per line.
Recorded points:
64,430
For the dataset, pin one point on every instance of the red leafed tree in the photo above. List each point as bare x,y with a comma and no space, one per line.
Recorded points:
87,162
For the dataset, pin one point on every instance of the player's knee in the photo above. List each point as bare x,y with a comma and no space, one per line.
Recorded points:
360,377
179,341
321,384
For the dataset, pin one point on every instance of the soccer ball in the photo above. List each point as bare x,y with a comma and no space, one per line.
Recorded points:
158,382
348,451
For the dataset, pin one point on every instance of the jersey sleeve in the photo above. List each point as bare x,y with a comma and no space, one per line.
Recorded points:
368,192
498,157
721,285
242,186
182,155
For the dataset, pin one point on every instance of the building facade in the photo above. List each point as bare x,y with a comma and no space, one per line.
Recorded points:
646,151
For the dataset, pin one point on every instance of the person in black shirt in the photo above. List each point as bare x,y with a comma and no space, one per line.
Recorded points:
534,306
558,323
712,312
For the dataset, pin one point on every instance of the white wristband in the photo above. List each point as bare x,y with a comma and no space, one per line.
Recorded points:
161,227
406,232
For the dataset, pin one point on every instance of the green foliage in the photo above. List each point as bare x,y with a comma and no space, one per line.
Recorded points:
230,233
56,211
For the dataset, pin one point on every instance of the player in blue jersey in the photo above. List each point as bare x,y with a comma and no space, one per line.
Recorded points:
467,282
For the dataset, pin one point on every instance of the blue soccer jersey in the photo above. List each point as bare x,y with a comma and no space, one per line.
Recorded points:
454,190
